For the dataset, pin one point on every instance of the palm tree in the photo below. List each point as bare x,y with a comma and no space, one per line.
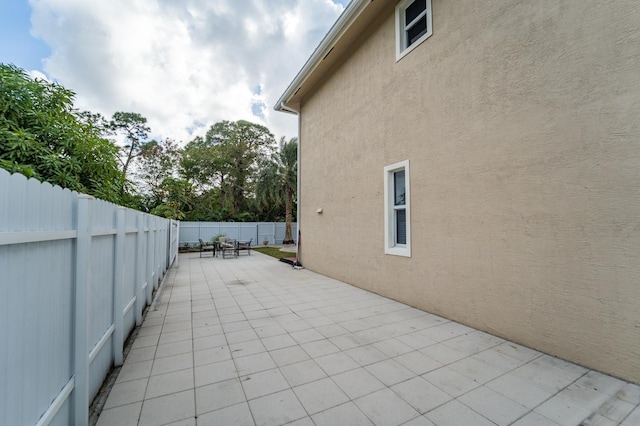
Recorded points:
277,181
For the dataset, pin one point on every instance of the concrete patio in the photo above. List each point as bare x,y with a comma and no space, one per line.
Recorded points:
252,341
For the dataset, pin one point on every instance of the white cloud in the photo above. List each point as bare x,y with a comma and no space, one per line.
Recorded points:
182,64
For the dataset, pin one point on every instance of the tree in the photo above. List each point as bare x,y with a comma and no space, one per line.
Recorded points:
43,136
223,167
201,164
176,195
155,162
155,174
133,127
277,181
239,146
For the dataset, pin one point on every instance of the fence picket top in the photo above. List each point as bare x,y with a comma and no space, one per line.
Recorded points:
60,207
103,217
31,205
130,219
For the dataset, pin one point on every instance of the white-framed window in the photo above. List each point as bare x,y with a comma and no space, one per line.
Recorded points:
413,25
397,209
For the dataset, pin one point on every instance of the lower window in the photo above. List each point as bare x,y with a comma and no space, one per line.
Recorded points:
397,235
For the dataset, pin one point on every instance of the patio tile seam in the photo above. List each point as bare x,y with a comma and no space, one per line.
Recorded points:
164,317
529,410
631,413
238,377
193,360
591,410
458,396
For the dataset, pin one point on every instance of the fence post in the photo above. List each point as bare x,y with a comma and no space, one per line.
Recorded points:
149,262
257,233
139,304
157,267
177,252
81,329
168,251
159,254
118,284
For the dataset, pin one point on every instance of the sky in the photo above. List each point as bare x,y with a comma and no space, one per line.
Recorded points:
182,64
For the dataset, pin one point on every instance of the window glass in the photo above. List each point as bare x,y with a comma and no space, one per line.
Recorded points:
415,9
398,183
401,227
418,30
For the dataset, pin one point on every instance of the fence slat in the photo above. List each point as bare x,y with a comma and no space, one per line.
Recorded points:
118,288
82,278
149,260
139,277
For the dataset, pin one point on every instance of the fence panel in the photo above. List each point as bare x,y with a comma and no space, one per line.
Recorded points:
69,279
101,291
273,232
36,302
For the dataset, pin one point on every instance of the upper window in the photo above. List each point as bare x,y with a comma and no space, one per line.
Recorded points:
397,237
413,25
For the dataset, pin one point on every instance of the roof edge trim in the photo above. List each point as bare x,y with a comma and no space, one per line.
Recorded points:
348,16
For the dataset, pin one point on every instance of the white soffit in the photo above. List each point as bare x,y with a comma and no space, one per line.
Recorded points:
344,22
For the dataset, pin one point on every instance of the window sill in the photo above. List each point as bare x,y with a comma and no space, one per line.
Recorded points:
398,251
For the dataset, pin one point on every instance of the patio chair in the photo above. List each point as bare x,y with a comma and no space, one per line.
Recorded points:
204,248
228,247
245,246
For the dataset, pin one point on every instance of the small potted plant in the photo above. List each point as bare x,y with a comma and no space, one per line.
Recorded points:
265,241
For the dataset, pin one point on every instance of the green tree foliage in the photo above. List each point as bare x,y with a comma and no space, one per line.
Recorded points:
176,195
223,167
239,147
230,174
43,136
155,174
155,162
133,127
277,182
202,164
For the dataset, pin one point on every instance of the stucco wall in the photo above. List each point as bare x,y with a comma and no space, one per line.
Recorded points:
521,122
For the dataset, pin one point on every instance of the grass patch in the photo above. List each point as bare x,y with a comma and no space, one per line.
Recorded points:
274,252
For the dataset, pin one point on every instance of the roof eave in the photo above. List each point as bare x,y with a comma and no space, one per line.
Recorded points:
346,19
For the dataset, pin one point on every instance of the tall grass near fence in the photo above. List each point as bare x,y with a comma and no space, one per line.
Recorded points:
75,276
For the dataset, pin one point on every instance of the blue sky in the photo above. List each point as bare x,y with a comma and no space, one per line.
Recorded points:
18,46
181,64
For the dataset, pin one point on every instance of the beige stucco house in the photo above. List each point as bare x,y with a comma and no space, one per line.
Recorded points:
480,160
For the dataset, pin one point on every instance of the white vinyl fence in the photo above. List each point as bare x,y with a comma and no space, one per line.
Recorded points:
75,276
191,232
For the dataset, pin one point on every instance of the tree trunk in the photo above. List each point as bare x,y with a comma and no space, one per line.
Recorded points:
288,219
125,168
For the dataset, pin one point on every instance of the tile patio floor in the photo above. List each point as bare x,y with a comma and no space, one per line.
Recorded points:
252,341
